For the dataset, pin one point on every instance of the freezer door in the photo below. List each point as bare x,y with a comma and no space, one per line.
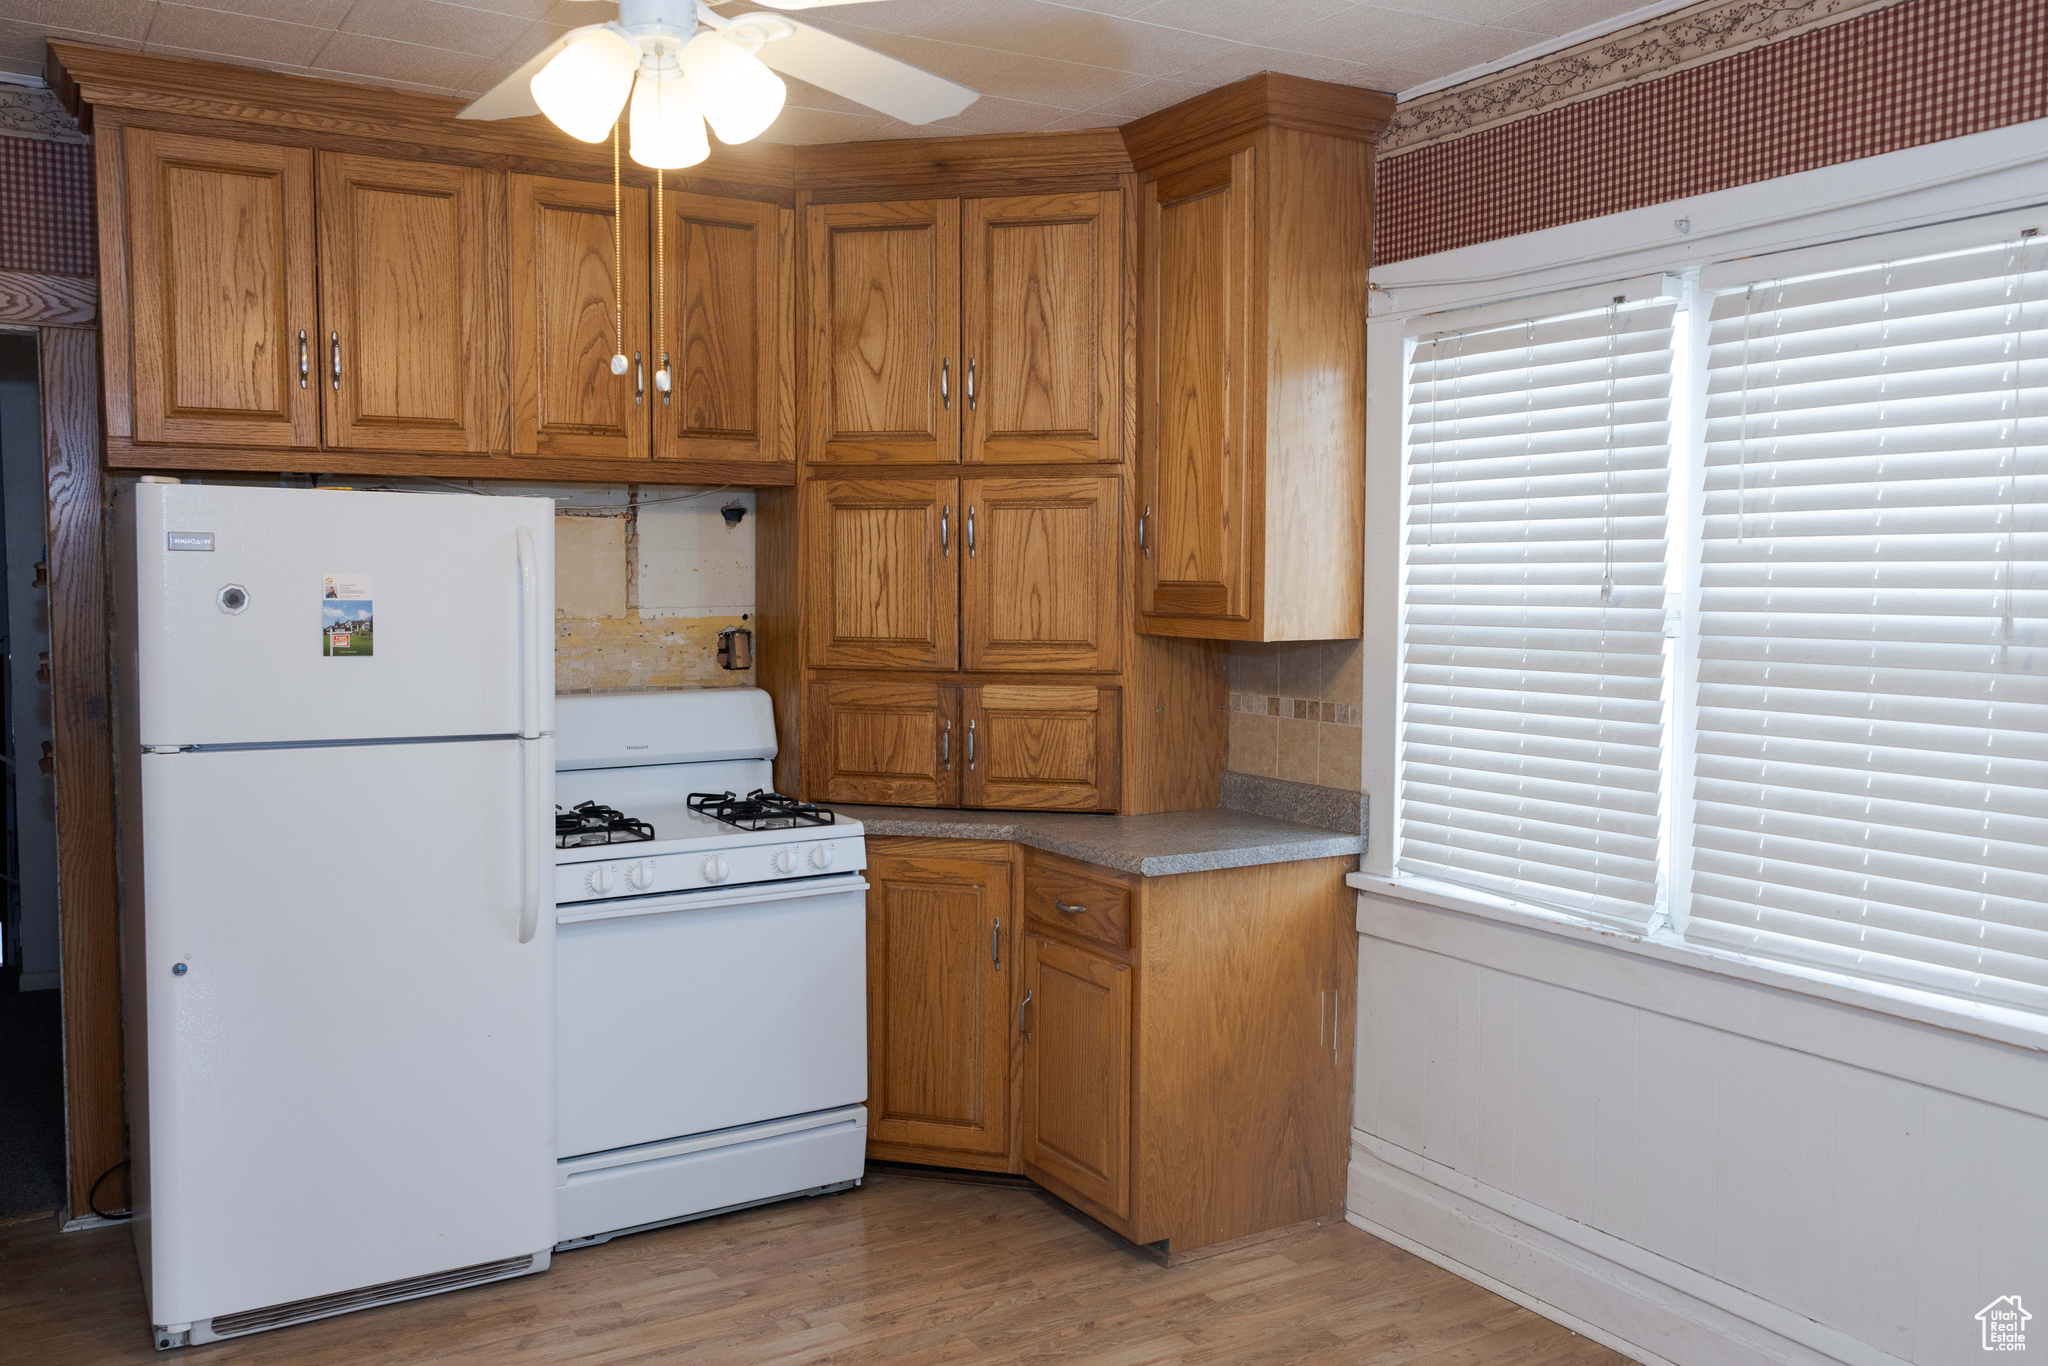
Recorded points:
350,1075
237,640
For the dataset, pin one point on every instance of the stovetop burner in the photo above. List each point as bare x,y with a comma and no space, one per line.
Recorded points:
593,823
759,810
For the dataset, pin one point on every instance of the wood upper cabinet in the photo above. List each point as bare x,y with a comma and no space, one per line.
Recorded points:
567,403
1251,468
723,328
1040,574
1042,289
884,331
940,969
1193,471
880,568
892,741
413,259
1049,747
221,282
1076,1016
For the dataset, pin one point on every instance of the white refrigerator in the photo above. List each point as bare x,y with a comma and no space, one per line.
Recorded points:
336,779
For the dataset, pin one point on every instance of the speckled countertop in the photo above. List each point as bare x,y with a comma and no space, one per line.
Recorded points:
1152,846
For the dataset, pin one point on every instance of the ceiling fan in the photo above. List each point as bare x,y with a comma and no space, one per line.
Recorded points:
684,65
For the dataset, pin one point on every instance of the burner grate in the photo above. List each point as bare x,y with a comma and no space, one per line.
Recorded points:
759,810
590,823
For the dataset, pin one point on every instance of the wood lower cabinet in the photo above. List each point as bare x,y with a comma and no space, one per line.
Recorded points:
412,348
1182,1046
1040,746
226,346
941,969
1076,1021
566,323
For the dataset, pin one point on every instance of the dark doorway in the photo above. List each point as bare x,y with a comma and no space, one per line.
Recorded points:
31,1023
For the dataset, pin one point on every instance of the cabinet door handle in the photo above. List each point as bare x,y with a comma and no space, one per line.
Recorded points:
1144,519
664,379
995,943
970,531
305,360
970,384
1023,1006
946,530
946,745
1060,905
945,383
334,345
970,746
639,379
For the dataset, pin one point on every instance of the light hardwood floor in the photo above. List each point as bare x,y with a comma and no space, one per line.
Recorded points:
904,1269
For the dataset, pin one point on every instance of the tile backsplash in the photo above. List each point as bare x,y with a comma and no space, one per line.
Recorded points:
1294,711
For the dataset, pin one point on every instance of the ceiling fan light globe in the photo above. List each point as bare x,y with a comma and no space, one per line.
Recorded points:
740,97
667,128
584,87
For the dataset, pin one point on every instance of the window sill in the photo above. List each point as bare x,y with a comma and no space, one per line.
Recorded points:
2000,1024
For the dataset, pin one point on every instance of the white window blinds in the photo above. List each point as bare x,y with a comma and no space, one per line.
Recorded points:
1533,612
1872,781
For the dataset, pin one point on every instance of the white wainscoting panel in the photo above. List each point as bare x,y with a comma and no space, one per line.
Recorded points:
1702,1169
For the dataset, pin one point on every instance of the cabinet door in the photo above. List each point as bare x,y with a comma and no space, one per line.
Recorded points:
939,973
721,330
1040,747
221,282
413,265
884,332
1076,1018
883,740
881,568
1040,574
1042,305
567,403
1195,485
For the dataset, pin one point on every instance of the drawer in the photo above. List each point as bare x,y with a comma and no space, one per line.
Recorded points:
1052,884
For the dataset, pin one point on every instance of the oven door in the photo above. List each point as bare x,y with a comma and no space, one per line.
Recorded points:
680,1014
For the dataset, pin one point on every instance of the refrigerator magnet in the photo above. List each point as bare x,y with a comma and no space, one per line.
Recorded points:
347,622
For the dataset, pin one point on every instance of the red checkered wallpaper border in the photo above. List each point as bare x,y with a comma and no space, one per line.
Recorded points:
1911,74
46,208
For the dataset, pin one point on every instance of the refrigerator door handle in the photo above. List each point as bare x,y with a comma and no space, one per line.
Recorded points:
537,769
529,635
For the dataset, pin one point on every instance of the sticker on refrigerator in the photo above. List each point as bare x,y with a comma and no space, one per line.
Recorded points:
347,623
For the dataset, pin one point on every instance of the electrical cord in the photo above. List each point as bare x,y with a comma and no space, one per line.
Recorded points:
92,1197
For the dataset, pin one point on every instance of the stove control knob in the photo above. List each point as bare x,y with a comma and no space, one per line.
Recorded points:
715,869
785,860
821,855
641,876
599,878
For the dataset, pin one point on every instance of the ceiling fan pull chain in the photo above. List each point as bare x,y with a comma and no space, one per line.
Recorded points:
618,264
661,376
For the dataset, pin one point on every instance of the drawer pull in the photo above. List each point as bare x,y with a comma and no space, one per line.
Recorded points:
1060,905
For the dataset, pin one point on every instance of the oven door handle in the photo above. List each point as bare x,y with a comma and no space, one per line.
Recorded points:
760,893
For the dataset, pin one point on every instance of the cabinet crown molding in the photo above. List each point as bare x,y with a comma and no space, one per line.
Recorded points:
1266,100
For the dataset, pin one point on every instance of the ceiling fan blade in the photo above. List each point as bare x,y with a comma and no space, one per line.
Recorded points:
830,62
512,97
808,4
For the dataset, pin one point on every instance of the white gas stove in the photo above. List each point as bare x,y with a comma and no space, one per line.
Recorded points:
711,1045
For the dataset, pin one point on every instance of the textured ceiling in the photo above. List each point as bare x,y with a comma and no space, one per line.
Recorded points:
1041,65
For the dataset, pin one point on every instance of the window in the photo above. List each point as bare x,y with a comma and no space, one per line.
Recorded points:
1860,476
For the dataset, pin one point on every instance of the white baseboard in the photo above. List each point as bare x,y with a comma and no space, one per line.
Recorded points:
1645,1306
